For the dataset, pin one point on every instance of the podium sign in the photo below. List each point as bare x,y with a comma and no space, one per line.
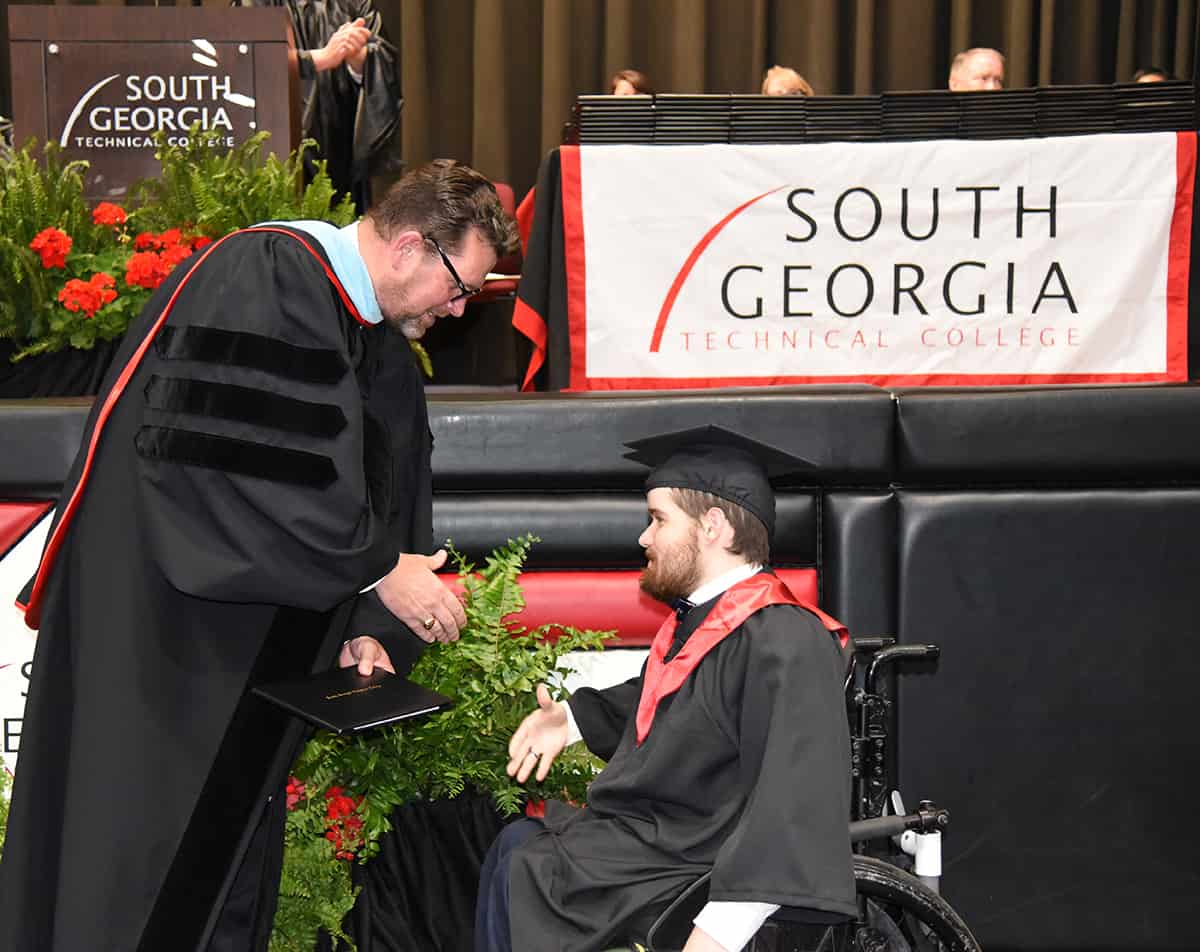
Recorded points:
114,76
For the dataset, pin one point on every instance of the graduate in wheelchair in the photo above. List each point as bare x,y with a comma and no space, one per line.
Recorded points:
728,755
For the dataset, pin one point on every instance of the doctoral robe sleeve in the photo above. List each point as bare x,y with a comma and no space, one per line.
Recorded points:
251,470
601,715
791,844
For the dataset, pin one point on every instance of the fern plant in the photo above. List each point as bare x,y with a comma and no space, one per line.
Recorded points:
4,784
217,193
491,673
35,194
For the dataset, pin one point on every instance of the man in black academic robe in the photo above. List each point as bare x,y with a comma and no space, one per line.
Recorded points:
259,455
730,752
350,76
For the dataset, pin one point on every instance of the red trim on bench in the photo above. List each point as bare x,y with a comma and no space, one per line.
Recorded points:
603,600
17,518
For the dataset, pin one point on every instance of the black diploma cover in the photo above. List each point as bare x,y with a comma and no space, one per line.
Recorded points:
343,701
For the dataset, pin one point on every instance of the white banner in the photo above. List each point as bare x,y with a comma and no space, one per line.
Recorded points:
16,641
1013,261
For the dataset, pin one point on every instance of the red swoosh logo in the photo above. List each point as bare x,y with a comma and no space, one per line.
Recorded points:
677,285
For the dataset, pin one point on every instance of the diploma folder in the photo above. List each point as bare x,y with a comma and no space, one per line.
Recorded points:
343,701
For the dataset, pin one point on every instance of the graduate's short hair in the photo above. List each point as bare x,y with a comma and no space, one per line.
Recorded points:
750,539
442,200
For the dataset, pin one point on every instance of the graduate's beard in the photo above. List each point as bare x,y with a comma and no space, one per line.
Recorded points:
672,573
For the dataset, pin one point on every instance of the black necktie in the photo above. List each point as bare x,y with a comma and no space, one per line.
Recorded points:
681,607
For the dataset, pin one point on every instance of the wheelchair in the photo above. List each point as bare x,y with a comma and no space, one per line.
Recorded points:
897,857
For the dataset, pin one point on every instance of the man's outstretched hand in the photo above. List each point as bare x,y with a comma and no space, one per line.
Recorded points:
418,598
539,740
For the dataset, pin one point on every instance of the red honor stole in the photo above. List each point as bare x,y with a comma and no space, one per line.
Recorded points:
737,603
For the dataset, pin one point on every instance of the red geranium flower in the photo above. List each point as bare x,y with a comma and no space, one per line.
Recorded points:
295,792
88,296
52,244
106,213
343,828
145,269
200,241
146,240
173,254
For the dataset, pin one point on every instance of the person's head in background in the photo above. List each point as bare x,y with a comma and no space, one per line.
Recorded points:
785,81
977,68
630,82
1152,74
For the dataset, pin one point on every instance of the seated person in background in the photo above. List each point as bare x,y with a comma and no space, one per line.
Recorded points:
729,752
785,81
1152,74
630,82
980,67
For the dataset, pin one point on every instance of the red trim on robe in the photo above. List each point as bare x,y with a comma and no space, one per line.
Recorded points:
33,610
738,603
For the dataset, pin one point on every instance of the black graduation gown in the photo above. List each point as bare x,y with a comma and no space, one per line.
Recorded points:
267,460
351,123
745,771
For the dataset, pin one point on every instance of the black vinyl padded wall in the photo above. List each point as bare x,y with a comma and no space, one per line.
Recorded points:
1046,538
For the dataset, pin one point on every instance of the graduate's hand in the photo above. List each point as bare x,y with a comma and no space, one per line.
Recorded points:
367,653
701,941
539,740
417,597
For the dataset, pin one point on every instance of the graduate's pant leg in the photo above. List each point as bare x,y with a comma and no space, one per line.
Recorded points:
491,911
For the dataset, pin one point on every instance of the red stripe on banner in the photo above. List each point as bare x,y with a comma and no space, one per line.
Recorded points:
33,609
17,518
530,323
576,264
892,380
1179,256
660,325
613,600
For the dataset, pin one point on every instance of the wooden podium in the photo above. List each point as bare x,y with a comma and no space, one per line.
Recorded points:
102,80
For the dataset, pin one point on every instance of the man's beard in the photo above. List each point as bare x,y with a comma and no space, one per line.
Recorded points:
400,317
672,573
410,327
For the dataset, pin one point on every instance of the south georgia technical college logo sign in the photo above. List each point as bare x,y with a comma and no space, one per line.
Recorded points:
105,102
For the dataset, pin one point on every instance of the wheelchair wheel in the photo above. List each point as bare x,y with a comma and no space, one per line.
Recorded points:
897,913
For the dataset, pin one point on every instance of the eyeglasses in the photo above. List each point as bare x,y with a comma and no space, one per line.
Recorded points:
464,290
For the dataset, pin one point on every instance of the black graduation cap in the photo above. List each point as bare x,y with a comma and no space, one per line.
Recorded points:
715,460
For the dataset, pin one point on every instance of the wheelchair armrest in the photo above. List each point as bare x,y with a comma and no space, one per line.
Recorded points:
671,929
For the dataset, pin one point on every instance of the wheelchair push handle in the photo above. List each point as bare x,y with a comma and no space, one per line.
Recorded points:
898,653
929,818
